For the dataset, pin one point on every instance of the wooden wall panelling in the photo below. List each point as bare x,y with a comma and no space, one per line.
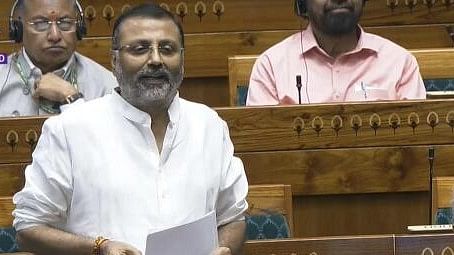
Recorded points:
314,126
17,136
12,178
359,214
342,171
253,15
6,207
424,244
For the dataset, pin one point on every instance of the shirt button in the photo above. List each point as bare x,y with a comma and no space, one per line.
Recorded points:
16,113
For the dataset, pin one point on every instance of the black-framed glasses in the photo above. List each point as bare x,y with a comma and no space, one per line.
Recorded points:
65,24
142,49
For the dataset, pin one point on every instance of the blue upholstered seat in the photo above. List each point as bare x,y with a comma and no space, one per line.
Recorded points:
266,226
444,216
8,240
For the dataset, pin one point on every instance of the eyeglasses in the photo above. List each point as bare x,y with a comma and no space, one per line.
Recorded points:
141,49
66,24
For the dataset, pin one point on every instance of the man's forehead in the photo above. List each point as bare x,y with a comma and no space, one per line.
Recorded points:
140,26
34,7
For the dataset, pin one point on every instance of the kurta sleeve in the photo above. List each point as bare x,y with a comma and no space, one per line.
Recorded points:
231,202
46,196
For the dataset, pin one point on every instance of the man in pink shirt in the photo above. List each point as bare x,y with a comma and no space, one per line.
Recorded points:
333,60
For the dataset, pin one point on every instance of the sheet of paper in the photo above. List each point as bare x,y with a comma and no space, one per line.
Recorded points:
196,238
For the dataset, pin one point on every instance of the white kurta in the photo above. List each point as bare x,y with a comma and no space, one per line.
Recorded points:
93,81
97,171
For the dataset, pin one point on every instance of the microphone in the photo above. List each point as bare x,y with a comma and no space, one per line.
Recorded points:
34,78
431,173
298,86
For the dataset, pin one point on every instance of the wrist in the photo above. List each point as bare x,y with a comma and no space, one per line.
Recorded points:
72,98
99,243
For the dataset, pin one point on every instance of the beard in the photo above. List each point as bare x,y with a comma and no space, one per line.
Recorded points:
150,87
336,23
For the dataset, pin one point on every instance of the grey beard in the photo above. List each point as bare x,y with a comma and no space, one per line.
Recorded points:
144,96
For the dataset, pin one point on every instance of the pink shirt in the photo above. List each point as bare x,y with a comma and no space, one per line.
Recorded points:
377,69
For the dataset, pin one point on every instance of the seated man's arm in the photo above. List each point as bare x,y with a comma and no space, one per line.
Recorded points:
262,84
411,85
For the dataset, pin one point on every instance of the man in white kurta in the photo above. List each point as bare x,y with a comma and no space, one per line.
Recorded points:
110,171
97,171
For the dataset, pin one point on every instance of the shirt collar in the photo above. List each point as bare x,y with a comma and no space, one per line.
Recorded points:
59,72
132,113
365,41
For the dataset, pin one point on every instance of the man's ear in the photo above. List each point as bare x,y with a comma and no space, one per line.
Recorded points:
113,60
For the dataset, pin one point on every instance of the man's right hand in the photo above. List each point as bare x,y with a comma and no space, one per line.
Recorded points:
118,248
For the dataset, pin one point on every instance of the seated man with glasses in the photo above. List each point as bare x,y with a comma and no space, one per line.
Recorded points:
47,72
134,162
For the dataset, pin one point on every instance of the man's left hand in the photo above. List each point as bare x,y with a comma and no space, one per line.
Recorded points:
222,251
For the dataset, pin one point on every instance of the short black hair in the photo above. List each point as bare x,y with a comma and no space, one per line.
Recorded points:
148,10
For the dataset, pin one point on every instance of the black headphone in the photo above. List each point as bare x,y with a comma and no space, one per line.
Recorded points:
301,9
16,27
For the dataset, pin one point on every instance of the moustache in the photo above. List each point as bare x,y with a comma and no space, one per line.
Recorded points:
340,6
161,74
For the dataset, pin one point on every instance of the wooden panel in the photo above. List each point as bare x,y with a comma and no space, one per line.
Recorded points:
265,199
12,178
277,127
350,171
443,192
255,15
359,214
22,129
373,245
6,208
211,91
206,54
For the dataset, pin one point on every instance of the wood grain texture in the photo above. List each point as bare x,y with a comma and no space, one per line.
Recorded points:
6,208
24,129
275,128
359,214
423,244
12,178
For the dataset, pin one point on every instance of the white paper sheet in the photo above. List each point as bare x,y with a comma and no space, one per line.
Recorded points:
196,238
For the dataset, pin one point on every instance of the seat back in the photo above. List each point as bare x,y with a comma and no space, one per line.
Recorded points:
270,213
436,67
442,198
7,232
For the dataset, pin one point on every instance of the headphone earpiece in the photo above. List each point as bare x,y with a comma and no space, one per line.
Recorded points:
300,8
16,27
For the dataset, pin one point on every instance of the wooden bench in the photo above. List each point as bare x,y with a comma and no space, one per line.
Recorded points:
441,244
433,63
271,199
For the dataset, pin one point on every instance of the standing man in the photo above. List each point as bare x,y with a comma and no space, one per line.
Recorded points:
47,72
135,161
333,60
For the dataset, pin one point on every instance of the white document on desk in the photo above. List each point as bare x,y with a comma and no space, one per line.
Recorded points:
195,238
